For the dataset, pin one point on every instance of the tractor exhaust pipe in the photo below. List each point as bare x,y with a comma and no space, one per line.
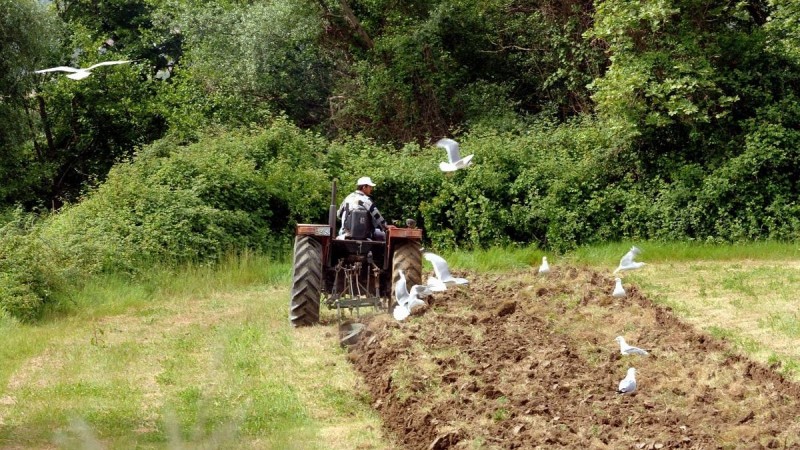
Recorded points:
332,219
332,209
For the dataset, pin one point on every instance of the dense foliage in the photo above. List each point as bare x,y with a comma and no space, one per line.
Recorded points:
589,121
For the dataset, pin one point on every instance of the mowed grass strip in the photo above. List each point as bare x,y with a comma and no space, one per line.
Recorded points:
200,358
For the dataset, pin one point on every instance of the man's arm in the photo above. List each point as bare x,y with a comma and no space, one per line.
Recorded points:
377,218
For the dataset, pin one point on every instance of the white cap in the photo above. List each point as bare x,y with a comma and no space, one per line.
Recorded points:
364,180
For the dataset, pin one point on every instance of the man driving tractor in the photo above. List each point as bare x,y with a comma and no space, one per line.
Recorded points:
359,215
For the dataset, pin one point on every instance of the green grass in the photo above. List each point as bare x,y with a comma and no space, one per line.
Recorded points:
197,357
654,252
495,259
498,259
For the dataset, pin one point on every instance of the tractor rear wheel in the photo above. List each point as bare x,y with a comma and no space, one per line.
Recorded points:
306,282
408,258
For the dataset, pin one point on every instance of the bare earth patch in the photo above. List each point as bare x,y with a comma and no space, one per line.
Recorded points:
526,361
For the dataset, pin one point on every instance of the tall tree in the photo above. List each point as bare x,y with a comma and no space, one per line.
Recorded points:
92,123
28,33
248,58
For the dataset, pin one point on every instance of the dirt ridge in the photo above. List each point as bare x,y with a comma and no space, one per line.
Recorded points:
529,361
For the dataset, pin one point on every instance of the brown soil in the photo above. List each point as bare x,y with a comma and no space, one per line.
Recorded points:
529,361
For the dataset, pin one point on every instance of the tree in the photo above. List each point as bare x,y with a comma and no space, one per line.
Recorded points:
28,33
265,56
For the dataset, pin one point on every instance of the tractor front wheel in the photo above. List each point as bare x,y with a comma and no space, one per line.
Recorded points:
306,282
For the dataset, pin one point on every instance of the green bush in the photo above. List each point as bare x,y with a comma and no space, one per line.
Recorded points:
30,269
236,191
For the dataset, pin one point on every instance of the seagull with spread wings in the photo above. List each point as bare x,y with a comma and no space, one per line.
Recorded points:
407,299
79,74
442,271
455,161
627,262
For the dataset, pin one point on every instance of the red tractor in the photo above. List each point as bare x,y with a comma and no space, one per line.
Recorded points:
347,274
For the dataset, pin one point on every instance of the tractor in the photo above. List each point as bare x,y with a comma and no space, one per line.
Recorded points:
348,274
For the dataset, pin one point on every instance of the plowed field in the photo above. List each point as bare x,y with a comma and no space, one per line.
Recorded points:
530,361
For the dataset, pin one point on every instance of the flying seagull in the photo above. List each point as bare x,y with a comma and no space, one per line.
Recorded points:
455,161
628,384
544,267
442,271
407,300
626,349
619,291
436,285
79,74
627,262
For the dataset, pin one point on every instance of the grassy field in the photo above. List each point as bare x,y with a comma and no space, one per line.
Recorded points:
204,357
200,359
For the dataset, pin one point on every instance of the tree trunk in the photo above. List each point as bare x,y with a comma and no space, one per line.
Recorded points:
51,148
355,24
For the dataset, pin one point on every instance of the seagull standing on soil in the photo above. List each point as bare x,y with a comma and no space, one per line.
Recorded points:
627,262
628,384
408,300
626,349
79,74
544,267
442,271
619,291
455,161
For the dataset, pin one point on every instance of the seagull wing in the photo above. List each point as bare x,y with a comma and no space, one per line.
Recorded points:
440,267
626,386
631,350
58,69
420,291
462,163
457,280
453,153
401,290
106,63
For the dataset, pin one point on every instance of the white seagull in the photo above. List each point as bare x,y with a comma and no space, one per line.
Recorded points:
453,155
626,349
408,300
628,384
442,271
544,267
627,262
619,291
79,74
436,285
